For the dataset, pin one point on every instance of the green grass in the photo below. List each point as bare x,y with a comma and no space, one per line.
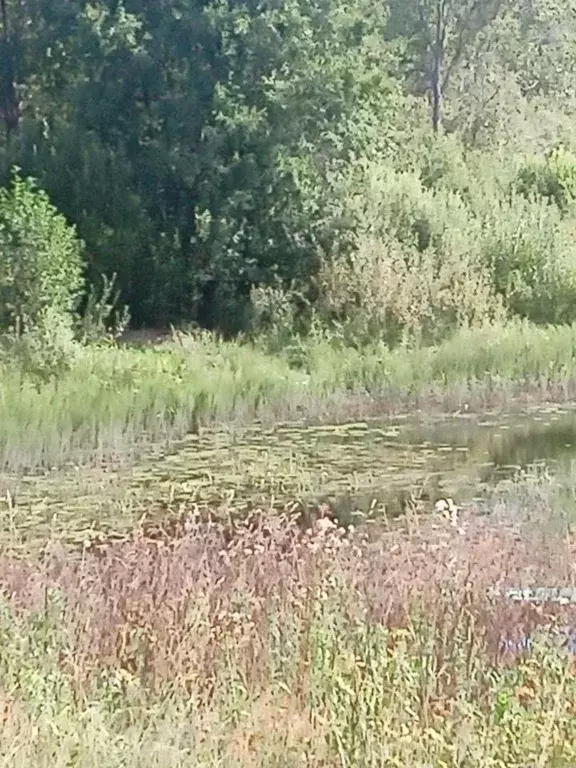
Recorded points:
113,400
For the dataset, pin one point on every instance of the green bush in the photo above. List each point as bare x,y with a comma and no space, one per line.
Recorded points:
415,270
531,254
422,254
46,350
552,178
40,258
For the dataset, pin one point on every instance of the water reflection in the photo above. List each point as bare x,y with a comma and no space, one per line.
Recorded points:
375,468
462,456
506,444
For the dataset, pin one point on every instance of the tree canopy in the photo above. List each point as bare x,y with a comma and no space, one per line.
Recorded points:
201,147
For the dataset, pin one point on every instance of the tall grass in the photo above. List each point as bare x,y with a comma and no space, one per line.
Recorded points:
113,400
262,645
512,352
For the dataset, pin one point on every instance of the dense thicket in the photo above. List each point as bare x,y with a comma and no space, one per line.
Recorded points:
387,167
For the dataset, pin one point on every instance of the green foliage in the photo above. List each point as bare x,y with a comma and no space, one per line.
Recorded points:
274,315
288,112
233,154
30,656
200,172
413,268
532,255
41,258
103,319
552,178
44,351
442,246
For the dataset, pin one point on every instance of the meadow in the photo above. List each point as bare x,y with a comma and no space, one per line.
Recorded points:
217,632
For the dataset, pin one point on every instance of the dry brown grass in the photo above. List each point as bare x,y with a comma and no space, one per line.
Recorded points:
271,637
171,608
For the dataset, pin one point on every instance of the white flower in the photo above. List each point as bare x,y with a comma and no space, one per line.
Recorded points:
448,509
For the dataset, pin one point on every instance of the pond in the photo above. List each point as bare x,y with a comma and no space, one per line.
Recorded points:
366,469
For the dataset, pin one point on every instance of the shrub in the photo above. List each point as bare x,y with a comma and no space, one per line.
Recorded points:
421,255
394,292
552,178
40,258
44,351
531,255
103,318
414,271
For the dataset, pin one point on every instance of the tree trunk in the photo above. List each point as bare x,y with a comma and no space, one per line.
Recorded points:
436,104
438,68
9,101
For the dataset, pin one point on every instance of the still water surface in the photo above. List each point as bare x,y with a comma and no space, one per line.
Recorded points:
365,469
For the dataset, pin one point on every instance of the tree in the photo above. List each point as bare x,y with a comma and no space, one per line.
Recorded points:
119,153
308,88
9,98
41,260
198,171
440,33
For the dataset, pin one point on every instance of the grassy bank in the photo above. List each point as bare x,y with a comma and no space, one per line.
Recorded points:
112,400
259,645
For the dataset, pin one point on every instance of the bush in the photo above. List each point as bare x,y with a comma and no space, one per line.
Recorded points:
552,178
44,351
415,269
421,254
40,258
531,254
103,318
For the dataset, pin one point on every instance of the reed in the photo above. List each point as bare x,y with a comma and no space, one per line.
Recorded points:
112,401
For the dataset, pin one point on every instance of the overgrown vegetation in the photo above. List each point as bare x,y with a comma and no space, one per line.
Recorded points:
262,644
348,207
278,171
110,402
396,168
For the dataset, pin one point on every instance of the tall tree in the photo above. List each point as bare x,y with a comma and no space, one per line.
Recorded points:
308,86
187,140
440,34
